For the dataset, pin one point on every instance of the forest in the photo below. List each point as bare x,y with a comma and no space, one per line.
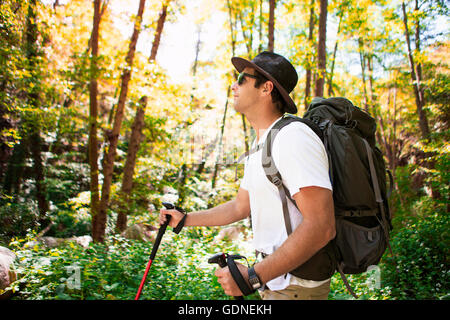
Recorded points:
110,107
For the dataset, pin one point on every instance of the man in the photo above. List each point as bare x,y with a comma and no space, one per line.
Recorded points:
261,94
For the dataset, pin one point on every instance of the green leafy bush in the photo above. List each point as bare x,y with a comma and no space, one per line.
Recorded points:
419,268
17,218
113,270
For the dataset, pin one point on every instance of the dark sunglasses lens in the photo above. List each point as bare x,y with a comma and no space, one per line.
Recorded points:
240,78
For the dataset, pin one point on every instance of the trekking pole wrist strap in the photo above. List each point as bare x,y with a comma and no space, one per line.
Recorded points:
180,224
237,276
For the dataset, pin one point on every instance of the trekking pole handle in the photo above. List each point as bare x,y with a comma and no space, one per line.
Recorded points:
168,206
180,225
221,260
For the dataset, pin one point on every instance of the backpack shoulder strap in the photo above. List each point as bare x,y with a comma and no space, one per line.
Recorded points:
271,170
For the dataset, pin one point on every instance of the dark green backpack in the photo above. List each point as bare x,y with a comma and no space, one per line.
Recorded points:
358,176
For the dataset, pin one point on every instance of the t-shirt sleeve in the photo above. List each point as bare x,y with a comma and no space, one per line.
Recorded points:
301,159
244,180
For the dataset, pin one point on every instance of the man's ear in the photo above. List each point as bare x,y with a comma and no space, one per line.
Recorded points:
268,87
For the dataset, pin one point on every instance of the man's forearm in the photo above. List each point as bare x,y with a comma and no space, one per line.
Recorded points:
301,245
223,214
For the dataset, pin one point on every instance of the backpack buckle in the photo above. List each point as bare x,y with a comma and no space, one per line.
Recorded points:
276,181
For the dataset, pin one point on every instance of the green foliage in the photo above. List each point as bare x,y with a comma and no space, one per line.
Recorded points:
113,270
367,286
420,266
16,219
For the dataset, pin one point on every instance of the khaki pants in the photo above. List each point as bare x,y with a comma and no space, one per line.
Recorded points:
295,292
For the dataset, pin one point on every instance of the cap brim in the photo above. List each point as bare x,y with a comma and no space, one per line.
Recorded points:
241,63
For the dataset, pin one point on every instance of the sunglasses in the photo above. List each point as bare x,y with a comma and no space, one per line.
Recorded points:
242,75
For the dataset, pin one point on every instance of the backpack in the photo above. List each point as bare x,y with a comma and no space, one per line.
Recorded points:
358,175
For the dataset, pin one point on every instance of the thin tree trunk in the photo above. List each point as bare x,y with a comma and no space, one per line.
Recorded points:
416,81
272,4
104,6
93,113
394,130
248,39
201,166
16,167
99,228
136,134
260,46
197,52
321,49
309,62
372,95
38,168
362,59
159,30
333,59
219,153
33,98
130,163
374,103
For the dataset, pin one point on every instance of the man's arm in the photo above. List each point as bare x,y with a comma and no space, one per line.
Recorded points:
223,214
315,231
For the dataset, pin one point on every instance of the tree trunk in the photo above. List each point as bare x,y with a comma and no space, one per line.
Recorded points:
419,92
136,134
333,59
272,4
93,111
128,171
219,153
260,46
197,52
16,167
38,170
248,39
222,128
33,98
309,63
6,124
158,33
387,134
100,13
232,33
362,59
321,49
372,94
375,108
416,80
99,228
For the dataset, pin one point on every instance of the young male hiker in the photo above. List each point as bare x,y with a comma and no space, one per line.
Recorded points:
261,94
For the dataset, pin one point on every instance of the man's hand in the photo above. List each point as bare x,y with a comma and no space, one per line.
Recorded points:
174,221
227,282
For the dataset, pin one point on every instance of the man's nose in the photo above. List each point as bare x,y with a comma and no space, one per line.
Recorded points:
234,86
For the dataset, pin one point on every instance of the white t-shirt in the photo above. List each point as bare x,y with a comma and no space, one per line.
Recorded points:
301,159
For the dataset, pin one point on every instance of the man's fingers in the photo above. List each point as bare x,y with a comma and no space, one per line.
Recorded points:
162,215
176,217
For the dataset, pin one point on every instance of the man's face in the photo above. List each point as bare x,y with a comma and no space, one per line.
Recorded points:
245,94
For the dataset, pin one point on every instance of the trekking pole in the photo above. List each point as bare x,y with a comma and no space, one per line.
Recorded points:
161,232
221,260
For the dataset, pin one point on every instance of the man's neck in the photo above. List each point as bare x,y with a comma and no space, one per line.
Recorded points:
261,122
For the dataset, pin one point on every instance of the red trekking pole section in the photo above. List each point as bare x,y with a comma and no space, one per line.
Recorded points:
161,232
149,264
